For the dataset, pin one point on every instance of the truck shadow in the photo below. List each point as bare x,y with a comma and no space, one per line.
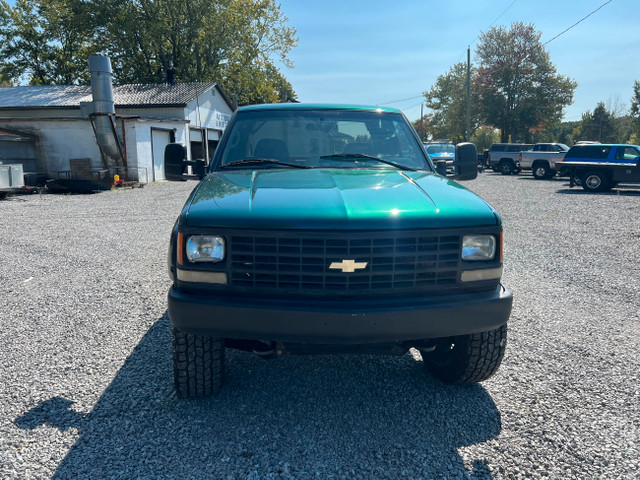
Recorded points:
624,191
297,417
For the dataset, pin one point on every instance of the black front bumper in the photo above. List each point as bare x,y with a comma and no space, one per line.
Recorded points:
339,322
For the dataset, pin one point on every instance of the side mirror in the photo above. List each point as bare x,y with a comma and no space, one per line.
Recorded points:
176,167
466,162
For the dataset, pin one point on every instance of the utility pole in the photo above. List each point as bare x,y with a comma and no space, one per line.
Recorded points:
468,93
422,121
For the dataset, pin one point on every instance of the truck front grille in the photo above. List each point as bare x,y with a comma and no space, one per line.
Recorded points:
384,261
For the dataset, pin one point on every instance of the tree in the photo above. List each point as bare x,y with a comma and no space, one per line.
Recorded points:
425,128
447,98
484,137
563,132
232,42
517,84
598,126
45,42
634,113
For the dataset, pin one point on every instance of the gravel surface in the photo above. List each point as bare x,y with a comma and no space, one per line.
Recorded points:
86,379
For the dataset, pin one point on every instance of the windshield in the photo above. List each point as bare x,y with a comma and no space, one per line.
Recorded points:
320,138
438,149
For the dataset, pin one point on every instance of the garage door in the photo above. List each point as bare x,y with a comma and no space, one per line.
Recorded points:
159,140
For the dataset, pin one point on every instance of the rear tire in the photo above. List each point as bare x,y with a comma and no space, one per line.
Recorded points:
506,167
541,171
467,359
198,364
595,181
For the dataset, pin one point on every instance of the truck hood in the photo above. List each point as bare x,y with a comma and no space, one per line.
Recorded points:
334,199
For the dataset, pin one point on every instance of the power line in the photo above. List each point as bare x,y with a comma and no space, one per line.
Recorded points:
398,101
579,21
491,25
474,41
499,16
406,109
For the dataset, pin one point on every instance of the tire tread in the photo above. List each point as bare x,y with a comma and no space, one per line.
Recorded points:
198,364
474,358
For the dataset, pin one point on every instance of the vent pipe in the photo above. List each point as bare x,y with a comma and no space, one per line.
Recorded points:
102,91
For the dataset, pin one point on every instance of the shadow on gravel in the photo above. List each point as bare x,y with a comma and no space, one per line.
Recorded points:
618,191
530,178
299,417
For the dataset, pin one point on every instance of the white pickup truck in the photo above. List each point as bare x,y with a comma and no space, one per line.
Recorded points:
541,160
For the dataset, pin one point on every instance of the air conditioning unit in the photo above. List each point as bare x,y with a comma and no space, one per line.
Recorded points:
11,176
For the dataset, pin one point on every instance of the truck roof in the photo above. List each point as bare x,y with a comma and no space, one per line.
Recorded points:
317,106
582,145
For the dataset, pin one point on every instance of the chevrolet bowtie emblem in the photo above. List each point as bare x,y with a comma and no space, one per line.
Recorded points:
348,266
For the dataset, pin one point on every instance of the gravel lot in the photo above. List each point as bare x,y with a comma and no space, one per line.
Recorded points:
86,379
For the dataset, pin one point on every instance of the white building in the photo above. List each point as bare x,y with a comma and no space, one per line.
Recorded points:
46,129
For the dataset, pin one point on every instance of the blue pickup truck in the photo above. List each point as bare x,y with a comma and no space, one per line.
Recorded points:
600,167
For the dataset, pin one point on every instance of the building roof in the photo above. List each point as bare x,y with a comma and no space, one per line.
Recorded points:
70,96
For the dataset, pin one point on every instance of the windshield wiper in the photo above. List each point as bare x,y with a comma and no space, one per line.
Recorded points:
261,161
340,156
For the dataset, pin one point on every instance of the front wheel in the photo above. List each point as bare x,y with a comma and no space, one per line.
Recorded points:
467,359
198,364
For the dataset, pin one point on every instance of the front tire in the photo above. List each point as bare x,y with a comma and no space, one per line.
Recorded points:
467,359
198,364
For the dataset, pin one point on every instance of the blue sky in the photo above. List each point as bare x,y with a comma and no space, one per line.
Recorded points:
378,52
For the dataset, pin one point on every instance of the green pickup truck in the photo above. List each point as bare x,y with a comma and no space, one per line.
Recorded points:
327,229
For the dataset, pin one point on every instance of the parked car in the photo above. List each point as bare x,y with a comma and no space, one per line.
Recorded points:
541,160
504,157
441,150
600,167
323,229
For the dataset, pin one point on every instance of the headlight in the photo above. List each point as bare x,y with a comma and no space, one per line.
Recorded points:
478,247
205,248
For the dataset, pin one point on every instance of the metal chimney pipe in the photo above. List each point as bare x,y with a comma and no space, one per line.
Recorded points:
102,91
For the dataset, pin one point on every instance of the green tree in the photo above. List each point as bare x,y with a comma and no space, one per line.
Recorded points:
232,42
447,98
598,125
45,42
517,84
484,137
563,132
624,128
634,113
